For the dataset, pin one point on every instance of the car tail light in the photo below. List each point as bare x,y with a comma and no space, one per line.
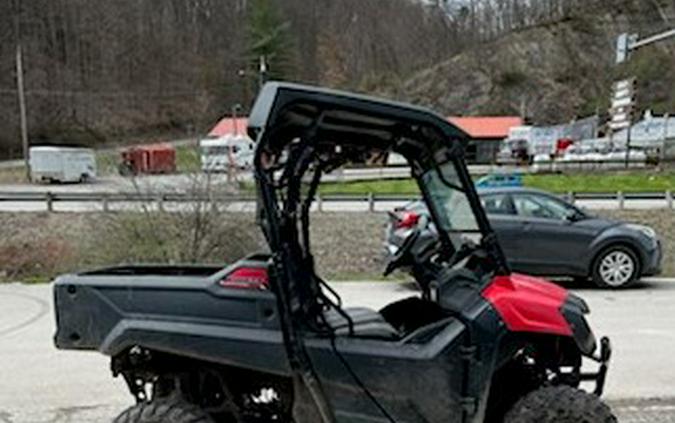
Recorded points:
407,220
247,278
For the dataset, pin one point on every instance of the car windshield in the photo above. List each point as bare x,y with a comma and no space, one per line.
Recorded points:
448,198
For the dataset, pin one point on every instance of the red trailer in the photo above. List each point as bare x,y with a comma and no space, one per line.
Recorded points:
148,159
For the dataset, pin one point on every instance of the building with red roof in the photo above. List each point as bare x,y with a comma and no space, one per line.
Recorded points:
229,126
487,133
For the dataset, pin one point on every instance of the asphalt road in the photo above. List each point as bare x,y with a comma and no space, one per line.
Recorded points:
42,385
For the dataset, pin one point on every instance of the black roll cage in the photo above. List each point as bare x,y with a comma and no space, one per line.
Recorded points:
297,129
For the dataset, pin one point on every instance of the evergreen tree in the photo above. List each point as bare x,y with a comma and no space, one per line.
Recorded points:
269,38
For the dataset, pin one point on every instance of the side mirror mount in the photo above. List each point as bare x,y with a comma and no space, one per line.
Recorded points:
574,216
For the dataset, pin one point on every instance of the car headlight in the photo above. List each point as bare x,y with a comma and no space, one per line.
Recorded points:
646,230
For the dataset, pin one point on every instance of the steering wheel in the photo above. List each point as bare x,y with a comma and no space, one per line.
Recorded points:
466,247
403,252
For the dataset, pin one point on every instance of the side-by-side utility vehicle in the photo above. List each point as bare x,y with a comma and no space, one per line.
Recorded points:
266,339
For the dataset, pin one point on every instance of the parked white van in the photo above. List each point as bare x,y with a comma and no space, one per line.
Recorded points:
215,153
62,164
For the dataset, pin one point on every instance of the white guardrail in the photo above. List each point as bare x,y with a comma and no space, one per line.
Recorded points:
615,200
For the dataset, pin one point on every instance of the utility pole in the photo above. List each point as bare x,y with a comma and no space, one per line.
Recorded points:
20,86
263,70
244,85
231,168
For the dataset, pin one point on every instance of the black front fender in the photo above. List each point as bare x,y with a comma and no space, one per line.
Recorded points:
574,309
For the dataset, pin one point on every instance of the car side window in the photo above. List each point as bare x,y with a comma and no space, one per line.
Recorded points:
540,206
497,204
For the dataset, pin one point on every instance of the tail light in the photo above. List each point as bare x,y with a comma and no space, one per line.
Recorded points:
255,278
406,220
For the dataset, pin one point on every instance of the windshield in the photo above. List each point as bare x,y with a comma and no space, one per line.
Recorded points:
544,207
216,150
448,198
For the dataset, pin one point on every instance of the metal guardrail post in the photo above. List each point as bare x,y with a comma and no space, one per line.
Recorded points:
214,202
621,198
49,197
571,197
669,199
160,203
105,205
319,202
371,202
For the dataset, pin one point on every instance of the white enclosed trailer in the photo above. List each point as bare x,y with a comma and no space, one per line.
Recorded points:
62,164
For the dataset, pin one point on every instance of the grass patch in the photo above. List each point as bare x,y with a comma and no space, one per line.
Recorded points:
14,175
380,186
636,181
37,279
644,181
188,159
107,162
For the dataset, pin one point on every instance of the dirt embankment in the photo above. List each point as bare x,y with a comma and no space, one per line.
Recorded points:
38,246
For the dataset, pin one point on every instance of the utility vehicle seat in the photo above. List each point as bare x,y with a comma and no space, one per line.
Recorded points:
367,323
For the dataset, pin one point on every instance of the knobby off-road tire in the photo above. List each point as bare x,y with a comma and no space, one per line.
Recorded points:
559,404
164,411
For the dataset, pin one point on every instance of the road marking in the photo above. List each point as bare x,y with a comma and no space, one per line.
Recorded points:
43,308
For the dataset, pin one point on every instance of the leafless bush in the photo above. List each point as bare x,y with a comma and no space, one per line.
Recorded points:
203,230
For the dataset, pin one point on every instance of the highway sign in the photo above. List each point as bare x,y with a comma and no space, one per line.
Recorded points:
624,44
622,104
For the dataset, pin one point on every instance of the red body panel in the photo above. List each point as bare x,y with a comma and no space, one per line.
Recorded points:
407,220
528,304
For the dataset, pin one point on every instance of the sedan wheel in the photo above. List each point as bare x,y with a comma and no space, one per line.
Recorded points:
616,267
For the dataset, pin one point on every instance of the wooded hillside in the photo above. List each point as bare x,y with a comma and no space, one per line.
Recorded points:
98,71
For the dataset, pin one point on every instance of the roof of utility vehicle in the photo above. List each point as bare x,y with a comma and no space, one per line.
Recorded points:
344,113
